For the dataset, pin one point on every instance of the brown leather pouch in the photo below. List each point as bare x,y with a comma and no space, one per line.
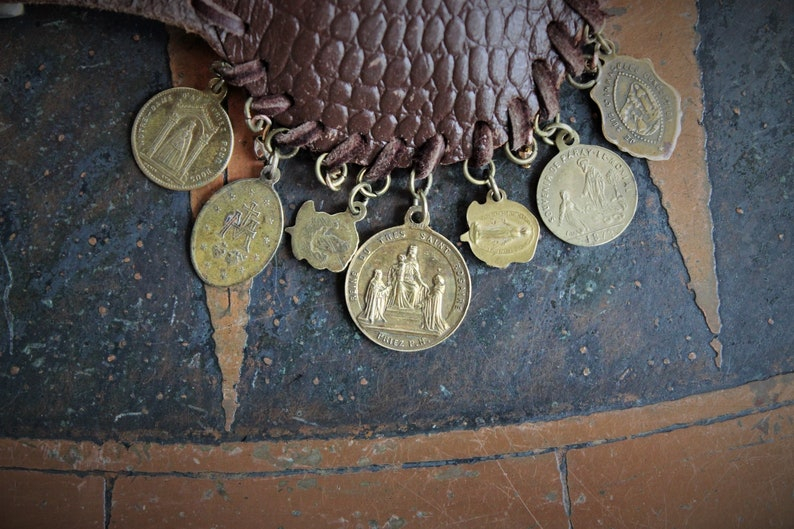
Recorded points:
392,83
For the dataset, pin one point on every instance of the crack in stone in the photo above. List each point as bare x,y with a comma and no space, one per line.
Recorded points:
9,316
562,466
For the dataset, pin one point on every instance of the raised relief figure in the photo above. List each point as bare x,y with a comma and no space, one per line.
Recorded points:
570,214
434,307
375,299
594,184
324,244
640,113
180,141
412,280
399,290
404,301
498,232
172,153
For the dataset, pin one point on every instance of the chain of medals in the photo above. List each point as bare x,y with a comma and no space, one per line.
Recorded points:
407,288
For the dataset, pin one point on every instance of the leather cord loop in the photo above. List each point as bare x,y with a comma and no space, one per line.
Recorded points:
386,160
567,47
219,17
546,85
301,136
590,10
482,146
346,152
521,120
252,75
270,105
429,156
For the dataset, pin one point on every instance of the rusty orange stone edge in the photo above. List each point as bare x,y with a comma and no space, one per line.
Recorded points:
665,32
344,455
190,58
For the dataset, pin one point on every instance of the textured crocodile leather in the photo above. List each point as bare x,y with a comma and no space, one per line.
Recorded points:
404,69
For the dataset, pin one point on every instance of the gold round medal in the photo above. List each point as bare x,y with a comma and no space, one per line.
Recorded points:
407,288
587,195
182,138
237,232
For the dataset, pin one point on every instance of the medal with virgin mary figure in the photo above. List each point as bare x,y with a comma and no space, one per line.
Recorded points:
408,288
641,113
501,231
182,138
587,195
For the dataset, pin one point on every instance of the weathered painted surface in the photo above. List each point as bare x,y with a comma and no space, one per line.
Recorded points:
106,332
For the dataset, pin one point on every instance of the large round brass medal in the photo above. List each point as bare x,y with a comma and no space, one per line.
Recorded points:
182,138
237,232
587,195
408,287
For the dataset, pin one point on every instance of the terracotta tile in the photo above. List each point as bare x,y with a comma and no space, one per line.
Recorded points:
347,453
35,500
518,492
738,473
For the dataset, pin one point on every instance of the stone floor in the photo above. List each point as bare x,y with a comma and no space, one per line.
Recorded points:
645,383
722,459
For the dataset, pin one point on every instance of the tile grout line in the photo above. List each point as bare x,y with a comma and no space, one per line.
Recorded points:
110,483
562,465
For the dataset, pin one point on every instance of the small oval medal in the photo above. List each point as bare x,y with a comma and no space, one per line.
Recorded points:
501,232
640,113
182,138
408,287
587,195
237,232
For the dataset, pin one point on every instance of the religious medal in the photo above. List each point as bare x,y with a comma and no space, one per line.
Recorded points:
408,287
182,138
325,241
501,231
587,195
328,242
640,113
238,230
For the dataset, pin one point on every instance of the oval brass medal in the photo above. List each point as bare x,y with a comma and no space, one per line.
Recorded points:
237,232
587,195
182,138
407,288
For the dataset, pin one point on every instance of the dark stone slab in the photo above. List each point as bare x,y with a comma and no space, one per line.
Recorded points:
105,332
